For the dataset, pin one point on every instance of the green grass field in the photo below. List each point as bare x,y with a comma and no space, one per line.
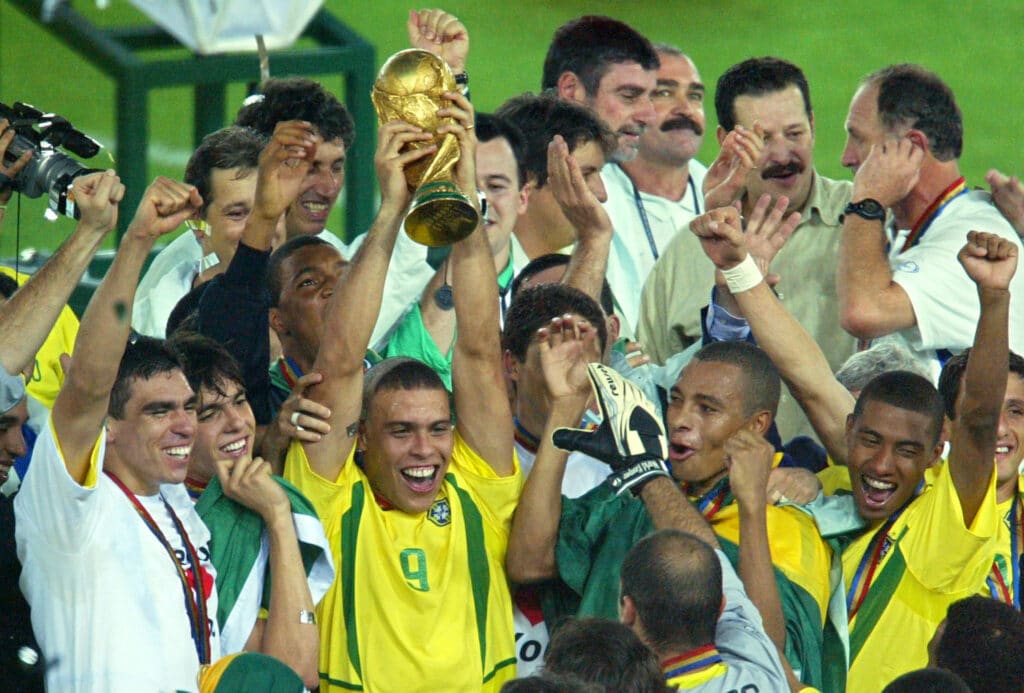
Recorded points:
977,47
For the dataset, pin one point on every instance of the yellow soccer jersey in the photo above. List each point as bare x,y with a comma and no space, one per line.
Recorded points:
419,603
47,376
928,560
1003,581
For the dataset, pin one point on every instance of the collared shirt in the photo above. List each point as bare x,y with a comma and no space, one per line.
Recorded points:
680,285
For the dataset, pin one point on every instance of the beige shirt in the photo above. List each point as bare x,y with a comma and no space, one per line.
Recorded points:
680,285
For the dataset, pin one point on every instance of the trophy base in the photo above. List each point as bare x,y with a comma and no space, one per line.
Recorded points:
440,215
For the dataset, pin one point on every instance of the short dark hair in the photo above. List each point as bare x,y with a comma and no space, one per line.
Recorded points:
491,127
763,384
952,377
904,390
275,283
227,148
399,373
604,652
298,98
144,357
589,45
982,643
548,682
206,363
675,581
542,117
534,308
757,77
929,681
544,262
910,96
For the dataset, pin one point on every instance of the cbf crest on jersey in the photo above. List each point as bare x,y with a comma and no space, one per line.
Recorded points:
440,512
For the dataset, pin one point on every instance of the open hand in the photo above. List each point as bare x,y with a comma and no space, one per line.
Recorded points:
726,180
442,33
566,346
889,172
283,166
577,201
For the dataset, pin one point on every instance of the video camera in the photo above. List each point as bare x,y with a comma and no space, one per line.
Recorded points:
50,170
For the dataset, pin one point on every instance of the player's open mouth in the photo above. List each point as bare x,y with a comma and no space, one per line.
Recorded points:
680,453
1004,451
316,210
421,479
876,492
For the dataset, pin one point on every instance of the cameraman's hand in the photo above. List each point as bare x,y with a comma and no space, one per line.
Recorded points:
165,205
97,195
9,172
461,111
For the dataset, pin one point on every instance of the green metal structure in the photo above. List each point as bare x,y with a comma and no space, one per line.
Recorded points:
117,51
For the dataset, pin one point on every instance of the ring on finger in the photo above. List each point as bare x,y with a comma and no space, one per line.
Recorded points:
295,419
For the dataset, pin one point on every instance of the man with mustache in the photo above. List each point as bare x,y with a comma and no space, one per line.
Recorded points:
653,196
766,131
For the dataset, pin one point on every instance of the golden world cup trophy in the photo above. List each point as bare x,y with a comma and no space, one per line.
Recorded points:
409,87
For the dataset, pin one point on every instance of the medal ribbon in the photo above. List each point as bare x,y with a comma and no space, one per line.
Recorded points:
712,501
958,188
195,605
290,371
693,661
996,582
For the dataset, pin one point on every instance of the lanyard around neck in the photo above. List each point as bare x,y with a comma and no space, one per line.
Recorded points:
195,603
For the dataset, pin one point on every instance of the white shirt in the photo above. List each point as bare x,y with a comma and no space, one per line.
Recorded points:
107,601
944,298
631,257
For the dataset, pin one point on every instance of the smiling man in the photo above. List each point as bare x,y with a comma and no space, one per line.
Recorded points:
107,535
921,532
417,510
772,94
656,194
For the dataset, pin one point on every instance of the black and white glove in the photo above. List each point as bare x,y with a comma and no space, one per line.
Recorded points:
631,439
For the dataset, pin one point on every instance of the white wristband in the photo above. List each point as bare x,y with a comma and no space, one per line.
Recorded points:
744,276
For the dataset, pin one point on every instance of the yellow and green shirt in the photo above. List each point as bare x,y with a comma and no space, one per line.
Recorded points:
902,575
420,602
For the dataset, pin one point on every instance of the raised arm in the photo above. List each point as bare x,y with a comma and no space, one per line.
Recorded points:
82,403
284,635
795,353
352,309
589,262
564,345
27,318
990,261
482,410
871,304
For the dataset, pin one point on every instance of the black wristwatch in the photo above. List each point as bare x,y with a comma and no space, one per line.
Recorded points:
869,209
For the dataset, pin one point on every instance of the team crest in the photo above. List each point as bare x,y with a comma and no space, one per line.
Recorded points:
440,513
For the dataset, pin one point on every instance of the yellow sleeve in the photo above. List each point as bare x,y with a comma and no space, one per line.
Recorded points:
497,496
942,553
326,496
